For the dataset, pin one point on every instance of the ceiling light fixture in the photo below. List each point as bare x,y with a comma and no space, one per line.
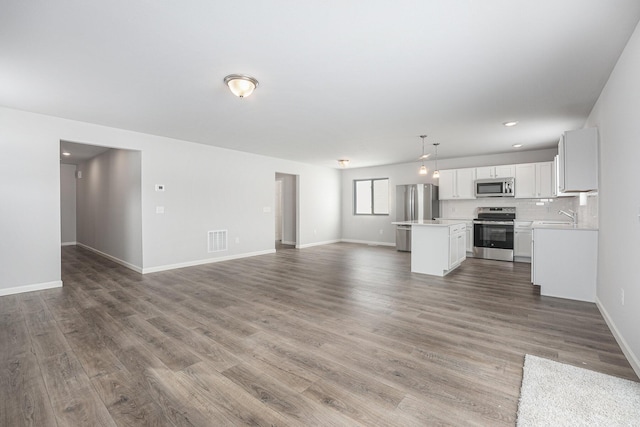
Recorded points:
436,173
241,85
423,168
510,124
343,163
517,145
65,153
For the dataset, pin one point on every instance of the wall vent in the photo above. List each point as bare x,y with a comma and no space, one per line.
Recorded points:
217,240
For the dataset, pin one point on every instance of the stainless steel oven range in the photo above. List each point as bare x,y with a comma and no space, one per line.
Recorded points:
493,232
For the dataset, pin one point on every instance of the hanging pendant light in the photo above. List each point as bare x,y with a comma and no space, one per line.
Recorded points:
423,168
436,173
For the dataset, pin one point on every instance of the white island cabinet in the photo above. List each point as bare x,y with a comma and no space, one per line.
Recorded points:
437,247
564,261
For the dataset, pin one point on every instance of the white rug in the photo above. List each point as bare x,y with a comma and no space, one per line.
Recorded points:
555,394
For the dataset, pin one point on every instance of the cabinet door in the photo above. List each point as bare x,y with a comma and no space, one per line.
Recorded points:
485,172
453,248
526,181
544,179
461,245
505,171
446,184
579,160
466,183
522,243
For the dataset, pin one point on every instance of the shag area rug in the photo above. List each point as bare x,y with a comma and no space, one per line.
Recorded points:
555,394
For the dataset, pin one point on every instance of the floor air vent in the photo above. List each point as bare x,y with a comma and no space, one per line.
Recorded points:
217,240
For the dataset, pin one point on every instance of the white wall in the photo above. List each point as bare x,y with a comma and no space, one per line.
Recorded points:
30,207
616,116
207,188
68,204
109,206
378,229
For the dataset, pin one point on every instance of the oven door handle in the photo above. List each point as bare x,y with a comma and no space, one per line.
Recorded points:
493,222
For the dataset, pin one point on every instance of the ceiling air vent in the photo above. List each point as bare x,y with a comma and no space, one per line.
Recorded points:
217,240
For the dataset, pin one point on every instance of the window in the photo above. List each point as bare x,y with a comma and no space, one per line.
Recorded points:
371,196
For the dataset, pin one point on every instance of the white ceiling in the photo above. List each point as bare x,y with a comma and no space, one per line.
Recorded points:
338,79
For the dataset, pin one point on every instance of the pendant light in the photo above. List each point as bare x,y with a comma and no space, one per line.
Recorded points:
436,173
423,168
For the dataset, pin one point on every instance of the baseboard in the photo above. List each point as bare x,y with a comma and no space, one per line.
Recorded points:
68,243
631,357
367,242
112,258
309,245
286,242
205,261
31,288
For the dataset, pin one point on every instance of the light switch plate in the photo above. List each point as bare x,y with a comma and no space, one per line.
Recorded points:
159,209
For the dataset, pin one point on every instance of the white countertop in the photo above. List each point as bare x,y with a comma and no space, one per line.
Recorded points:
556,225
431,223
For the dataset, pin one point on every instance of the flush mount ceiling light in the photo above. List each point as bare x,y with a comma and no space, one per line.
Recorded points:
423,168
510,124
343,163
517,145
241,85
436,173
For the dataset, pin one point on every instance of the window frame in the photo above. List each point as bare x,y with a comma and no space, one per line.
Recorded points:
373,202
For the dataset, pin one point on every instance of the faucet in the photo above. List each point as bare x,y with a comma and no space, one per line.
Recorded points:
571,214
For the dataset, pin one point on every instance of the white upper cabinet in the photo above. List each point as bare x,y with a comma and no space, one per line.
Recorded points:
578,160
504,171
457,184
535,180
545,179
526,181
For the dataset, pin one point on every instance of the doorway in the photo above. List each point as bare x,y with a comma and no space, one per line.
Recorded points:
286,211
101,201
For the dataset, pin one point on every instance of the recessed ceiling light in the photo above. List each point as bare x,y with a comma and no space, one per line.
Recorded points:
64,153
509,124
517,145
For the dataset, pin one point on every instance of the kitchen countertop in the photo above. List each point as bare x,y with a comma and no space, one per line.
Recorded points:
557,225
431,222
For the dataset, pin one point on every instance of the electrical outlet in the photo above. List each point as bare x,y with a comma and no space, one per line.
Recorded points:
622,296
237,240
381,231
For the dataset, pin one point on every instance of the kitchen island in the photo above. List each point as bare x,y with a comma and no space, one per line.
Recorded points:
437,247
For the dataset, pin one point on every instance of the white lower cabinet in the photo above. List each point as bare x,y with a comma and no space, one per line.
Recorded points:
564,262
469,237
457,244
437,249
522,241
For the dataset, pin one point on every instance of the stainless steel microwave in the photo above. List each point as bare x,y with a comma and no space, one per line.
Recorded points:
495,187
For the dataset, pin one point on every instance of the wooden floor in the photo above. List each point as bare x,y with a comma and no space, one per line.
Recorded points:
340,334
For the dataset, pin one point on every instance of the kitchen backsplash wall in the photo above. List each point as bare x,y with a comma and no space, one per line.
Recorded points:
526,209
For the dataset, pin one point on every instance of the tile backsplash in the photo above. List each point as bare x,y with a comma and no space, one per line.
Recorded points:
527,209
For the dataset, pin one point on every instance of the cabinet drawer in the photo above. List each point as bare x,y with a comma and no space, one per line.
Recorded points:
457,228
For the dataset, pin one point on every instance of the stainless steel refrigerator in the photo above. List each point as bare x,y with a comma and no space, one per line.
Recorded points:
414,202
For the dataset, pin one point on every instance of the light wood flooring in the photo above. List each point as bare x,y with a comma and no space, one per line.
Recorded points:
341,334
